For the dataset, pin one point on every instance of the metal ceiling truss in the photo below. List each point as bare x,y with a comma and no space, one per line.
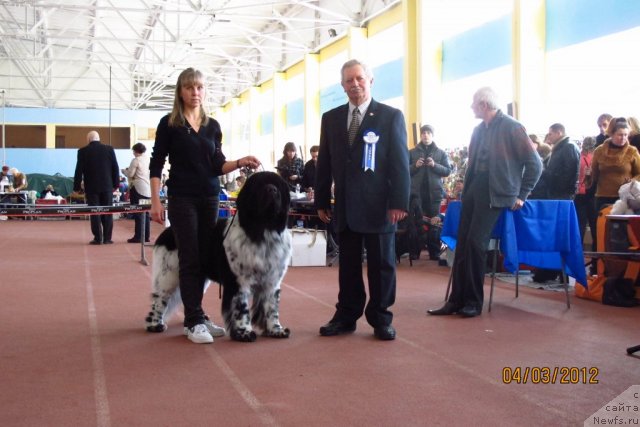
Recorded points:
127,54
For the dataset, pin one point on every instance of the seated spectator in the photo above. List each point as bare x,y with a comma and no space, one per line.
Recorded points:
19,180
290,166
6,179
309,173
240,182
49,191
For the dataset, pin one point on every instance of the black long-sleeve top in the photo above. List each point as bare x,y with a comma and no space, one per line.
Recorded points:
196,159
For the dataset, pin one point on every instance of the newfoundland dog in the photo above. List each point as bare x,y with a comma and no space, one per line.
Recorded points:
250,253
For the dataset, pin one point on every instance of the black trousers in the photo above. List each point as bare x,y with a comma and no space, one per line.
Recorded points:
587,214
432,209
477,219
101,225
134,198
381,275
192,221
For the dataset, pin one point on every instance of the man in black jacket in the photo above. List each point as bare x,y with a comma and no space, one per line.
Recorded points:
98,166
363,149
559,180
428,164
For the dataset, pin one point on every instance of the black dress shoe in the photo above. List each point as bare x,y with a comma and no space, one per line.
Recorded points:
445,310
108,242
133,240
337,327
95,242
470,311
385,333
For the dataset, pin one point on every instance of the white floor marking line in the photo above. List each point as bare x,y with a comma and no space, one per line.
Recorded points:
99,379
249,398
303,293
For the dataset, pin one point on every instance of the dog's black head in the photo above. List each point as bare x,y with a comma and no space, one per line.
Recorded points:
263,204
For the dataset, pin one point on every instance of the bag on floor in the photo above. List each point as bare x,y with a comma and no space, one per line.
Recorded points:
619,291
594,289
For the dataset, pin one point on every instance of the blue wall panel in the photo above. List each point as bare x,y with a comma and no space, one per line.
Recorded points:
331,97
387,80
295,113
575,21
82,117
51,161
477,50
266,123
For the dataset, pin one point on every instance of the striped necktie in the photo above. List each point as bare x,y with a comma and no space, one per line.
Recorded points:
355,124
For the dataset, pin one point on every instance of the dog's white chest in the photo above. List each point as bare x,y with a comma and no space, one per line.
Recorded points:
257,263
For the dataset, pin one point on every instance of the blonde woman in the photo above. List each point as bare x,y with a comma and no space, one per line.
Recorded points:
193,142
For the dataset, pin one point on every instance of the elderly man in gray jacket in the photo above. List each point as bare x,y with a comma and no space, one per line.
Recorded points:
503,169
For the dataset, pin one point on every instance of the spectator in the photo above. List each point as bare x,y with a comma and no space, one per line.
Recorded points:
558,181
138,174
98,166
559,178
309,173
535,140
290,166
634,132
19,180
614,163
603,124
428,165
48,191
503,169
544,151
584,200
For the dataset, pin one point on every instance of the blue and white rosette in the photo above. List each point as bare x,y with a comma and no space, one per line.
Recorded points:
369,156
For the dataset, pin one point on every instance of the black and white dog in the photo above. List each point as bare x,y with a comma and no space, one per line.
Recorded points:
250,255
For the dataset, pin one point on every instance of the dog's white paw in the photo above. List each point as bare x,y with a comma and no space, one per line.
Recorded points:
243,335
160,327
278,332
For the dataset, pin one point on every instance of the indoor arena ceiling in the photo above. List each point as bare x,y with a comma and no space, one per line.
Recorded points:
127,54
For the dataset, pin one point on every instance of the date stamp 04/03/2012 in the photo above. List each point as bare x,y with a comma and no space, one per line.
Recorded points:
550,375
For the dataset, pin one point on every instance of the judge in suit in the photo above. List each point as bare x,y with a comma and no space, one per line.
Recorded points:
363,150
98,167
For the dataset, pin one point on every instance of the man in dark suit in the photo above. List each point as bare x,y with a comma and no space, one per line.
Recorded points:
363,150
98,166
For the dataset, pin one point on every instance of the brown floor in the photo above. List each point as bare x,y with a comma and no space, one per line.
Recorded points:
74,352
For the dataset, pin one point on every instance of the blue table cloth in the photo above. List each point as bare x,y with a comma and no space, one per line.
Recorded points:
542,234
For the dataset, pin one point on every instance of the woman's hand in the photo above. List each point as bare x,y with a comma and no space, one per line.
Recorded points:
157,211
251,162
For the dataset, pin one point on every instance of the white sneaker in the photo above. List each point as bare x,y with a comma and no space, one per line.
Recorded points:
214,330
199,334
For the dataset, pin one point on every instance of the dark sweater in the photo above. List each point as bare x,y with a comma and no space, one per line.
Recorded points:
196,159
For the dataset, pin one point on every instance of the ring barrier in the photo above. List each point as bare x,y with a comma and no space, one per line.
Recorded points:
22,210
68,210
